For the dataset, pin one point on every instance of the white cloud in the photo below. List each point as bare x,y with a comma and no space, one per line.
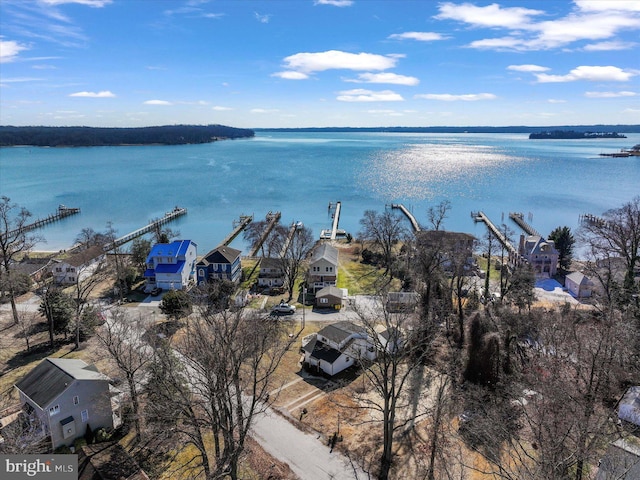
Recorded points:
606,46
503,43
362,95
290,75
609,94
219,108
588,73
9,50
419,36
527,68
490,16
447,97
608,5
157,102
102,94
335,59
263,110
335,3
262,18
385,77
89,3
556,100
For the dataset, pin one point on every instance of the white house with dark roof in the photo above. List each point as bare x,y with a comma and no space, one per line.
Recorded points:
68,271
221,263
323,267
62,396
337,347
171,266
579,285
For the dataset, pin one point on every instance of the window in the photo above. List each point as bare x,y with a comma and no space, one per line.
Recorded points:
76,400
59,269
324,300
85,415
54,410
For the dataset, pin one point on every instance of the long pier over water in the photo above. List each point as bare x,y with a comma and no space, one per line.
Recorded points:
62,212
409,215
272,219
168,217
519,219
514,257
239,225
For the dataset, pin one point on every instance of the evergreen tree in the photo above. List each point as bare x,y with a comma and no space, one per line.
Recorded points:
564,241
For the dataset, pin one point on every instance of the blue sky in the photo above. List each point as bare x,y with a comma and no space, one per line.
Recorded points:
302,63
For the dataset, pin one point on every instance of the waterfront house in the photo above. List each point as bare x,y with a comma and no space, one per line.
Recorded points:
402,301
323,267
455,249
330,297
271,274
38,269
72,269
337,347
61,396
540,253
221,263
171,266
621,460
579,285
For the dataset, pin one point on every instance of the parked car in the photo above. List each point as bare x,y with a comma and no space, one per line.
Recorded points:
283,309
156,291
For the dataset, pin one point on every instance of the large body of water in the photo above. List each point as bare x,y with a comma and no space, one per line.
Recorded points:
551,181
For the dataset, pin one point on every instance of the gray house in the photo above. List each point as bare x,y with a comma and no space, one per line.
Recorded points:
64,395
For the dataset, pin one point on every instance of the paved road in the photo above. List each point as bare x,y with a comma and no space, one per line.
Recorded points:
308,456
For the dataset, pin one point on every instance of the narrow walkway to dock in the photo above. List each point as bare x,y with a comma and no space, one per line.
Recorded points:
272,219
239,225
409,215
519,219
336,219
292,230
61,213
168,217
481,217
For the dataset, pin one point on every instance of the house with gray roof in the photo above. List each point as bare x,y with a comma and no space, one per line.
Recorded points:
63,396
323,267
540,253
579,285
337,347
72,269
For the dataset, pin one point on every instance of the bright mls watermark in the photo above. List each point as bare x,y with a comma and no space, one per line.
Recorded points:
51,467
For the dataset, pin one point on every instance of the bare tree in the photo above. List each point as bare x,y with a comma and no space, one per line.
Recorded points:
14,241
123,337
227,361
397,376
119,260
383,230
86,281
437,214
617,235
294,246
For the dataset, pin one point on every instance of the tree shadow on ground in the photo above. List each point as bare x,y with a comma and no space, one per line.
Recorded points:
35,353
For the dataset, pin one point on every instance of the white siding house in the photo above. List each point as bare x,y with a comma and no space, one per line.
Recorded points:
337,347
171,266
579,285
70,270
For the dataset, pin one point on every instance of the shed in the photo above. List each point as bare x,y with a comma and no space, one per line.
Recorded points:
579,285
330,297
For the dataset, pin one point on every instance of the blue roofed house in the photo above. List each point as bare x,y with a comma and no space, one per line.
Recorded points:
171,266
221,263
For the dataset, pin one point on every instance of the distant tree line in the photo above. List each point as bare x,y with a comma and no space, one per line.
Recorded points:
573,134
91,136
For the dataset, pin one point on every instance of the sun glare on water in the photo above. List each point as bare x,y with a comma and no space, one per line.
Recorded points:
424,171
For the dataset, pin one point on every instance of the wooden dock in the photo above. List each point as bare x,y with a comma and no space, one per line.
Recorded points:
62,212
519,219
334,232
515,258
409,215
590,219
287,242
168,217
272,219
238,226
